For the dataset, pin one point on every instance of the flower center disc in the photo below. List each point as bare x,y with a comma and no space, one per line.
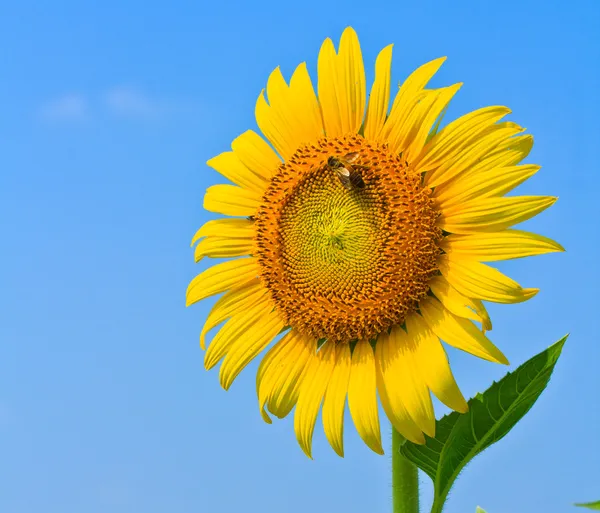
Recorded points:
346,264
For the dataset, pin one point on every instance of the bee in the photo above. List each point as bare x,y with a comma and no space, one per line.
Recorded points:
251,218
347,172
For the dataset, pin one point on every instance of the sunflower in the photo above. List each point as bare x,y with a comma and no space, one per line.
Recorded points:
360,280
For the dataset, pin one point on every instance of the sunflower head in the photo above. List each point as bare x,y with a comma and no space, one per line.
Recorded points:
362,230
346,263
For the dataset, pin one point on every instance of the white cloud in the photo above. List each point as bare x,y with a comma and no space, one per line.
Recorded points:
67,107
129,102
123,101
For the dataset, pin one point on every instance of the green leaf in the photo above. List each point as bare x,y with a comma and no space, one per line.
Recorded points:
590,505
461,437
479,510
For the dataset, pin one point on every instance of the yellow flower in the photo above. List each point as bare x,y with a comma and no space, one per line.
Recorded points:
367,280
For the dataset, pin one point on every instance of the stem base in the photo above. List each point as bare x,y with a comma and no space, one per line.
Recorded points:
405,479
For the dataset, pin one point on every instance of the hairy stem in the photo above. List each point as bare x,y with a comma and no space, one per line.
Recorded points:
405,479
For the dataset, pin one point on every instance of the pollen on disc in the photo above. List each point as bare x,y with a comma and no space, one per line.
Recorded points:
346,264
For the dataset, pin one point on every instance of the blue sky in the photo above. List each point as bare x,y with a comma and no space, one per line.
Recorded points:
109,111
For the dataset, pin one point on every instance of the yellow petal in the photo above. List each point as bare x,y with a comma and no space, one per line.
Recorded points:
231,200
492,214
234,328
411,89
418,79
362,396
474,279
458,304
293,111
482,312
421,129
249,344
269,368
390,391
231,228
507,153
312,389
504,245
502,125
285,392
335,400
224,238
214,247
457,332
452,139
410,381
380,95
414,114
279,372
221,277
282,111
472,152
483,184
277,129
327,86
232,168
436,126
353,91
256,154
342,85
494,175
233,302
432,363
306,105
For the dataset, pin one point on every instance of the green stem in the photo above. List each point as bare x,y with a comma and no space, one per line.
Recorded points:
405,479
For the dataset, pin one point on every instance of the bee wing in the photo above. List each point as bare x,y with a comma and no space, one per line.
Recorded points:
351,157
342,171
